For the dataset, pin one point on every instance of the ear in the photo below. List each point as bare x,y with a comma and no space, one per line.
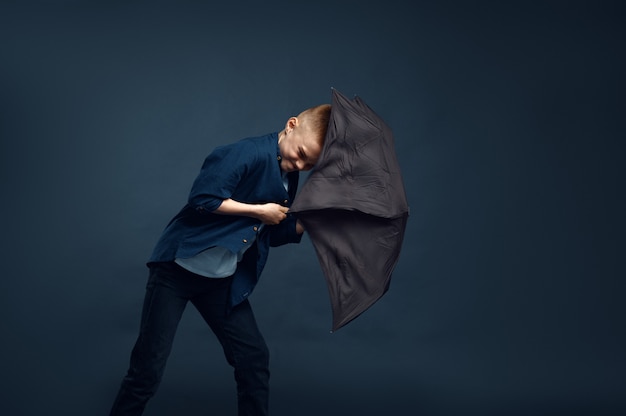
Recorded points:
291,124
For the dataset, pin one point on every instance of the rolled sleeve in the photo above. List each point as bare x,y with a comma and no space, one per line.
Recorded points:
220,176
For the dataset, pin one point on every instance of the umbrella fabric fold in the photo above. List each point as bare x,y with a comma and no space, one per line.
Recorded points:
354,208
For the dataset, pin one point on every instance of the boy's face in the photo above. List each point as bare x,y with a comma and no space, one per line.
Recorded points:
299,147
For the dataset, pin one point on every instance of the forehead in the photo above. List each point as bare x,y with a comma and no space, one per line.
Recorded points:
311,142
310,137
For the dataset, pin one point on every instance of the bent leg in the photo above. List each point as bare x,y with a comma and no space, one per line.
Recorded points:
245,350
162,310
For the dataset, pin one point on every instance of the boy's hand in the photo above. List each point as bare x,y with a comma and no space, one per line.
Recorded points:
271,213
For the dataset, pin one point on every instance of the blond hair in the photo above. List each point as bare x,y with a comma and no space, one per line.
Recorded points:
316,120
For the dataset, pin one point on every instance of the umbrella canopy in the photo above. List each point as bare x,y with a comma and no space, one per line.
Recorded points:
354,208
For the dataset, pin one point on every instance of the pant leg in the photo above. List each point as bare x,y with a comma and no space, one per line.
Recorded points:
245,350
163,307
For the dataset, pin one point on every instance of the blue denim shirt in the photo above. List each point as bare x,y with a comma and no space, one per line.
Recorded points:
247,171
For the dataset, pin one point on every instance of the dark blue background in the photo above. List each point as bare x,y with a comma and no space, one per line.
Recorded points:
509,124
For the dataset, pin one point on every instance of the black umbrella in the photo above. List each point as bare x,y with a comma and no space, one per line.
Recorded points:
354,208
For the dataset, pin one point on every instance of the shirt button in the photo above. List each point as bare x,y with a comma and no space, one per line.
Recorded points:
255,228
285,201
245,241
278,158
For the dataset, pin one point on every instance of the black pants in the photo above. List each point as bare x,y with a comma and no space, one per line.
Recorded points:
169,289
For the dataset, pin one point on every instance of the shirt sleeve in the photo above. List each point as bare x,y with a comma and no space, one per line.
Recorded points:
220,175
285,232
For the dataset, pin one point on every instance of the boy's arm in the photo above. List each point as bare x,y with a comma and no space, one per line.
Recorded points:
287,228
286,232
269,213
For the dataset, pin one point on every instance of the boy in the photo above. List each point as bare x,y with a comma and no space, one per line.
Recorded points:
212,253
